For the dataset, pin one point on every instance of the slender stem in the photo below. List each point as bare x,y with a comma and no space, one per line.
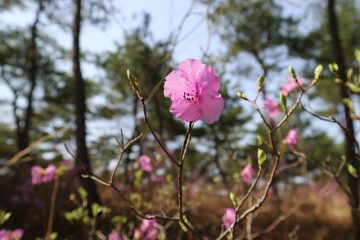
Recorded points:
181,169
52,207
249,191
157,139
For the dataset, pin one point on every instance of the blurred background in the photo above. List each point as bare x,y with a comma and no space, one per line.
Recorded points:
66,104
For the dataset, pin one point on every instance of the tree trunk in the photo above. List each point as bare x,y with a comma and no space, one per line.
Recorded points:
82,156
23,127
349,135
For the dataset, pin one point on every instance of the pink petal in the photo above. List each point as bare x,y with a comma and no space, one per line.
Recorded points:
114,236
211,107
210,81
145,163
271,107
174,85
190,69
185,111
17,234
291,139
290,86
36,175
247,174
49,174
229,218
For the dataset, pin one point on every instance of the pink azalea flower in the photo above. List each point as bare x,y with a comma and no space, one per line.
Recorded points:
194,91
229,217
40,175
17,234
291,139
114,236
290,86
145,163
271,107
147,231
11,235
4,235
247,174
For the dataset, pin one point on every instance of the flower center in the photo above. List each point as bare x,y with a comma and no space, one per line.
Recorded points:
192,96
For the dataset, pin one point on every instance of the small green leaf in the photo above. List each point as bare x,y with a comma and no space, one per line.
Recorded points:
353,87
292,72
283,103
4,216
357,54
352,170
82,192
261,157
260,140
53,236
95,209
188,223
348,103
260,82
333,67
241,95
233,199
318,71
183,226
349,74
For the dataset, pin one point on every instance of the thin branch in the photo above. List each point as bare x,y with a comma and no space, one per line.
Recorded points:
18,156
111,185
161,144
184,149
276,223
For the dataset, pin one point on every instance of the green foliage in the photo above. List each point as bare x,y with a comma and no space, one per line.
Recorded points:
233,199
254,27
283,105
261,157
4,216
352,170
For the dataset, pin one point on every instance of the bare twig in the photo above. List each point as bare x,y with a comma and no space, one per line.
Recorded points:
276,223
18,156
110,184
52,208
181,168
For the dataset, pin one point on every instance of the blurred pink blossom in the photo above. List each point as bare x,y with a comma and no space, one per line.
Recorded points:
194,91
114,236
147,231
291,139
290,86
247,173
271,107
11,235
145,163
40,175
229,217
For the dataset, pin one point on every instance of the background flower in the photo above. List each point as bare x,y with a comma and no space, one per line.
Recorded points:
229,217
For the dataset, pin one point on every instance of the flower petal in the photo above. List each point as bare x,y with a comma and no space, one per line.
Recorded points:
210,81
174,85
211,107
190,69
185,111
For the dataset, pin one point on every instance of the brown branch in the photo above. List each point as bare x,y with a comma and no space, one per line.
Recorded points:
52,207
276,223
181,168
18,156
157,139
110,183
